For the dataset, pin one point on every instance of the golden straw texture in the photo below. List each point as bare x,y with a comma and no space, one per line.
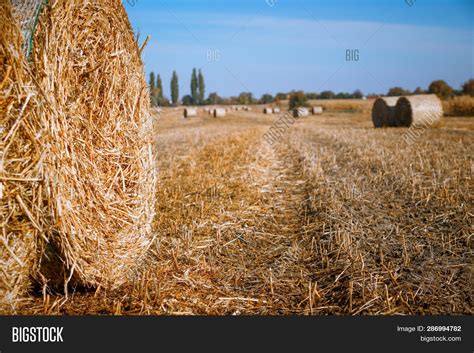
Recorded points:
99,171
20,159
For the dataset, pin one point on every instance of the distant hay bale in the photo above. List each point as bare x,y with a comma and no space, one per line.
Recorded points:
219,113
190,112
276,110
300,112
317,110
420,110
267,110
383,111
21,156
99,174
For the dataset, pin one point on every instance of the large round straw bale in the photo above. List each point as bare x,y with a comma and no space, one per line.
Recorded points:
20,161
267,110
219,113
317,110
300,112
276,110
99,172
419,110
190,112
383,111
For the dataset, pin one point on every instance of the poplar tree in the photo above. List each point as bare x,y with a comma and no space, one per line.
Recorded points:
174,89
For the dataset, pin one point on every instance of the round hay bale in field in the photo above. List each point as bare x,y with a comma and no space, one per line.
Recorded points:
383,111
300,112
420,110
99,173
317,110
190,112
219,113
267,111
276,110
21,156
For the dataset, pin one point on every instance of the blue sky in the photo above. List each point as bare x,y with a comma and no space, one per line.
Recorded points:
268,46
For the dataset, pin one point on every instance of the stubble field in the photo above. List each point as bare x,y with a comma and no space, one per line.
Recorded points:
335,218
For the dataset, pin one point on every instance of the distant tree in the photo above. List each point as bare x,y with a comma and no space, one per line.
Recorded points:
201,87
281,96
245,98
194,86
159,88
468,88
230,100
327,95
188,100
357,94
418,90
298,99
152,80
214,99
441,89
174,89
152,89
397,91
267,99
342,95
312,95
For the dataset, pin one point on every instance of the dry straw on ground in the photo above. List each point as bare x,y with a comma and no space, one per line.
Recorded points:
190,112
459,106
335,218
383,111
99,178
343,105
420,110
21,156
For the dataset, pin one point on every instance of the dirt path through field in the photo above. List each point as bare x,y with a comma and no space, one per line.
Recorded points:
252,246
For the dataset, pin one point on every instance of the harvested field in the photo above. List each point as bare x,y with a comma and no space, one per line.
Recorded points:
335,218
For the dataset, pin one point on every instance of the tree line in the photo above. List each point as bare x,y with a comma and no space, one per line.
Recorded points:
299,98
197,96
438,87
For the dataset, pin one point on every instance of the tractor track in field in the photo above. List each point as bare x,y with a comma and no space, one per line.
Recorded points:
232,236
